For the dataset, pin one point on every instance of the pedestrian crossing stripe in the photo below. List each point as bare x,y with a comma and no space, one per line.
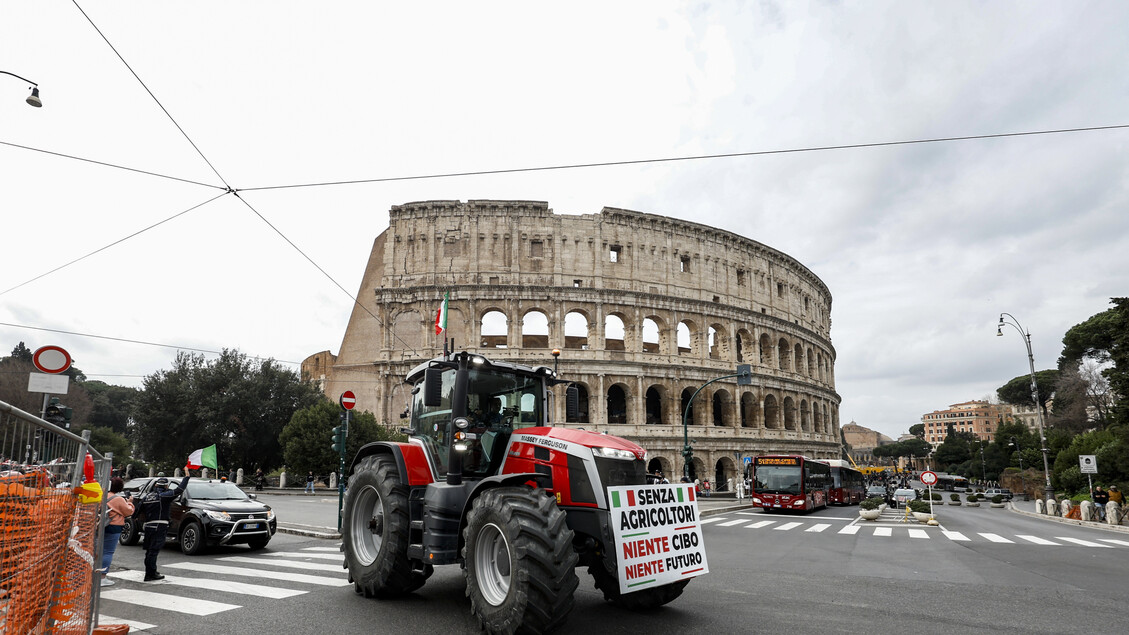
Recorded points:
1116,542
214,584
336,555
167,602
850,530
134,625
1037,540
818,527
787,526
204,567
997,538
1084,543
956,536
918,533
883,531
733,522
289,564
763,523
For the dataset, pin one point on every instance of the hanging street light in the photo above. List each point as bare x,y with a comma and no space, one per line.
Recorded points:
32,99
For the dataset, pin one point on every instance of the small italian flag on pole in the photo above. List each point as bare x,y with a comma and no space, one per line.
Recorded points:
204,457
441,315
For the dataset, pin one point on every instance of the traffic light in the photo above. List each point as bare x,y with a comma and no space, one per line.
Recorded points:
339,435
55,413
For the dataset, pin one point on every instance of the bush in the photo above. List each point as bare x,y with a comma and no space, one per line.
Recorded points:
997,499
972,498
936,496
871,503
954,497
919,506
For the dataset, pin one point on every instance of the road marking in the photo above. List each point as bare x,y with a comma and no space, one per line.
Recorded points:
104,620
818,527
213,584
883,531
338,556
733,522
290,564
955,535
1037,540
1084,543
997,538
204,567
850,529
706,521
763,523
167,602
337,549
919,533
1116,542
787,526
748,513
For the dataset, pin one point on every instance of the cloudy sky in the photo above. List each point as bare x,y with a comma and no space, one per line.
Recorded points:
153,110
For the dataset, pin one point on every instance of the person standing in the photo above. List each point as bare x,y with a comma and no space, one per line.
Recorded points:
259,478
156,505
118,508
1101,497
309,483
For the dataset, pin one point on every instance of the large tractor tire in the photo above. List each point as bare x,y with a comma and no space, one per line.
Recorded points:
374,531
644,600
519,561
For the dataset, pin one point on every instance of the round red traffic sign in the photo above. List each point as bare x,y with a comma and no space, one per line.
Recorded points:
928,477
51,359
348,400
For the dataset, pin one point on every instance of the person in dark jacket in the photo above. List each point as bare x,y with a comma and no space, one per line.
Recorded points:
157,504
1101,497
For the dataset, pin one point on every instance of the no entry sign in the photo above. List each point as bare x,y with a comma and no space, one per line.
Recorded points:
929,478
51,359
348,400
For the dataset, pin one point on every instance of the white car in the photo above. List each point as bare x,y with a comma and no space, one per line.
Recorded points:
904,495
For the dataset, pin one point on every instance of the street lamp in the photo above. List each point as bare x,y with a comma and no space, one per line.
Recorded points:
33,98
1019,451
983,465
1049,491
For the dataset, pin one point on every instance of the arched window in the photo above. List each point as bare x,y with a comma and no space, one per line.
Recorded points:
654,406
576,330
613,333
495,328
800,365
581,405
766,350
720,405
749,416
785,355
650,336
535,330
685,334
771,413
805,416
617,405
789,414
687,394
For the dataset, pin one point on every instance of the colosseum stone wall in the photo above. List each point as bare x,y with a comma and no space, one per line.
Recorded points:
646,309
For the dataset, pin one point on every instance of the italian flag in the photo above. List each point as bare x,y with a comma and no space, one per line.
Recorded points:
441,315
204,457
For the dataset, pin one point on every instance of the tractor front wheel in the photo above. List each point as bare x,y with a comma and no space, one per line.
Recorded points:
374,531
519,561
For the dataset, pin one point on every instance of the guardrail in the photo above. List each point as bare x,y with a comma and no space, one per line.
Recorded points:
51,527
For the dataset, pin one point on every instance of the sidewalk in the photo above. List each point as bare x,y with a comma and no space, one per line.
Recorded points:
1012,507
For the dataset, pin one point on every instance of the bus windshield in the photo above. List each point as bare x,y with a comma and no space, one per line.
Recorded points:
778,479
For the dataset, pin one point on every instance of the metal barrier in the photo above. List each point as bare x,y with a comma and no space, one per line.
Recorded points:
51,527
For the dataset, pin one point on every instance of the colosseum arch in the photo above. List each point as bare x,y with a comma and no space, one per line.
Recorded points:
789,411
746,346
799,357
654,397
582,399
520,256
766,350
617,400
653,328
615,332
750,411
691,415
534,330
784,354
722,402
495,329
576,329
805,416
724,470
772,413
661,464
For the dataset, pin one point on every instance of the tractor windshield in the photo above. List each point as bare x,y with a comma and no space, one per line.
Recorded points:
498,401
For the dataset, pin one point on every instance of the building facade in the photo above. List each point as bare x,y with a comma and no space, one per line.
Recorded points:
645,310
978,417
862,441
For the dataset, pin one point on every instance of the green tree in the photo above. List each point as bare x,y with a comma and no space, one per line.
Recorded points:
918,430
1018,391
111,405
22,352
1104,338
106,440
239,405
306,439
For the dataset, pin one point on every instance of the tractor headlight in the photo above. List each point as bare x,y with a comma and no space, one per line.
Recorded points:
613,453
462,423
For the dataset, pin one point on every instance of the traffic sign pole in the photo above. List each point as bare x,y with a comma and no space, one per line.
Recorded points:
347,400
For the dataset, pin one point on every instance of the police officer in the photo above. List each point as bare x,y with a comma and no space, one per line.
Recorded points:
156,505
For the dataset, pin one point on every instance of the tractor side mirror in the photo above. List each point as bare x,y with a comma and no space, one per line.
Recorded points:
432,387
572,403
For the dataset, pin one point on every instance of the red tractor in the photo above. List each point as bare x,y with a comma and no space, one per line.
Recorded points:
485,483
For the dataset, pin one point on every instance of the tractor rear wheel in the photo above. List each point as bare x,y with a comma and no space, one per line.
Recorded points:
519,561
644,600
374,531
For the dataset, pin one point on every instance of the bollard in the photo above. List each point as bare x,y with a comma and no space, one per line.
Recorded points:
1066,508
203,472
1088,511
282,479
1039,507
1052,507
1112,513
333,480
239,476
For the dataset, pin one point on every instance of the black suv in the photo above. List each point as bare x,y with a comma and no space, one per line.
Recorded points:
210,513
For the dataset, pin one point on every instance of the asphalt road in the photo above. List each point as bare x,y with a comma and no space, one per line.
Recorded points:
769,573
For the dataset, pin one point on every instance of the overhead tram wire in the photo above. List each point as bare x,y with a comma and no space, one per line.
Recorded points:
116,242
728,155
129,341
113,165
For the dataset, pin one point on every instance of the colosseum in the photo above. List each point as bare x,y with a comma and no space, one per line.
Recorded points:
645,309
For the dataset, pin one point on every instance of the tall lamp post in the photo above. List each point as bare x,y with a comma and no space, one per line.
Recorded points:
1049,492
983,464
1019,451
33,98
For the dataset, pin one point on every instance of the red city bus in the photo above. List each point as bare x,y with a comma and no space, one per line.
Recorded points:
790,482
848,485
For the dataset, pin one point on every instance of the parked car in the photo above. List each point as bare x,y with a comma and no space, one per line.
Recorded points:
876,491
1004,492
212,512
903,495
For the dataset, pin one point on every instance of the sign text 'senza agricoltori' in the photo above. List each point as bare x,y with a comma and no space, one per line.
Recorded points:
658,535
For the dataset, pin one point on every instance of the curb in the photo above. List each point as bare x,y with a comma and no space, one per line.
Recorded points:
1122,529
311,531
